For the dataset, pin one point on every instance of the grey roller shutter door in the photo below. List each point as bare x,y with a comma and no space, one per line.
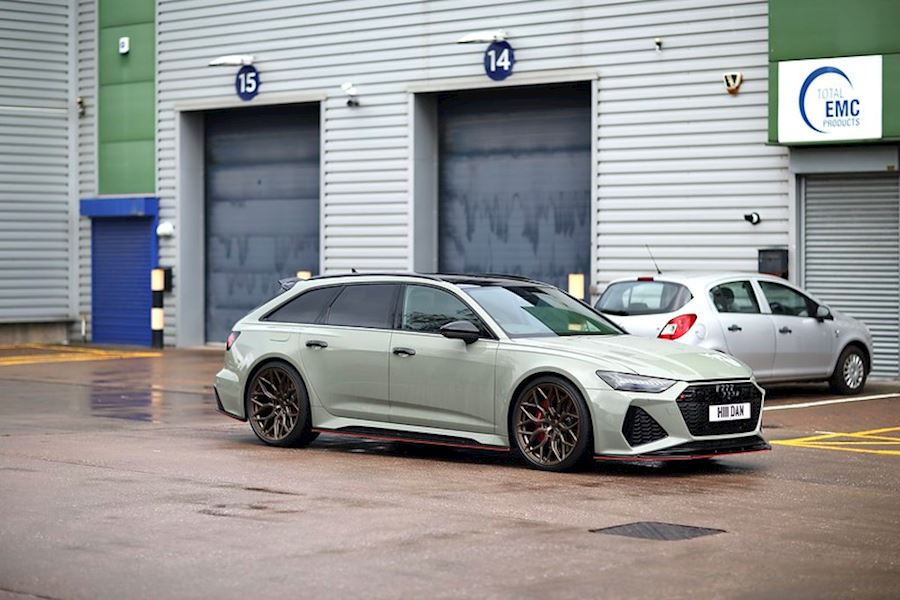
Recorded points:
514,182
852,252
262,206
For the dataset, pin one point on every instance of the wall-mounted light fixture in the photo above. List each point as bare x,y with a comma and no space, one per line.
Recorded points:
232,60
657,43
483,37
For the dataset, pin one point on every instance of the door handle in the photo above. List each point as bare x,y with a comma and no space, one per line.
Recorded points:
735,328
316,344
400,351
785,330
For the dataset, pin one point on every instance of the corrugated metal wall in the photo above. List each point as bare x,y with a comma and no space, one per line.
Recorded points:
86,32
679,161
35,46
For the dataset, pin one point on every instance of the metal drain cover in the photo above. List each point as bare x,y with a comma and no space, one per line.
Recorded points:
654,530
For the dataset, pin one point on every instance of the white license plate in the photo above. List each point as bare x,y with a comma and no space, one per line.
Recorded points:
729,412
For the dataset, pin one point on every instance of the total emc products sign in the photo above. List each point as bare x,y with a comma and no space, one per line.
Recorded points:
829,99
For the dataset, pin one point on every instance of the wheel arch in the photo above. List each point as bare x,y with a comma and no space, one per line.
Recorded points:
262,362
867,357
537,374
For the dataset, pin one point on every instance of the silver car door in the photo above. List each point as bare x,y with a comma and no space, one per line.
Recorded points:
749,333
804,345
345,358
436,381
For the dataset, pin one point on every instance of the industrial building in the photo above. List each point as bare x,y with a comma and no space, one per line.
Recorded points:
240,141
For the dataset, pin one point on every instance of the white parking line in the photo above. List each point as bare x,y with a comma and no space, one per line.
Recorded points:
835,401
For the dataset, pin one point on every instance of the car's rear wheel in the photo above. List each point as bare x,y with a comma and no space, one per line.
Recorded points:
551,425
278,406
850,374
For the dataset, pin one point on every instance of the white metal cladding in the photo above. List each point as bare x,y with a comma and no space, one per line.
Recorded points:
679,161
34,161
852,254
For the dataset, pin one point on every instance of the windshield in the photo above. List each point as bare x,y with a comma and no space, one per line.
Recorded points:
643,298
528,311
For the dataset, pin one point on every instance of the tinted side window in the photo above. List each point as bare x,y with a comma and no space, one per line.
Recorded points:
427,309
785,301
734,297
308,307
364,305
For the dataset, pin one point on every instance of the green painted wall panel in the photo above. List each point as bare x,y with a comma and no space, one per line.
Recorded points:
773,102
138,65
125,12
127,167
890,120
818,28
127,114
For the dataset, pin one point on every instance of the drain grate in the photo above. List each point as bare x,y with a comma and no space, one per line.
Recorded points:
654,530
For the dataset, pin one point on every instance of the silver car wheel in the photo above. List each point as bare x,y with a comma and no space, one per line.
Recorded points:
547,424
854,371
274,404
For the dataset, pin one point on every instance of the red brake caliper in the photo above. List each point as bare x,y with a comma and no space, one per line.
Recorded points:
545,404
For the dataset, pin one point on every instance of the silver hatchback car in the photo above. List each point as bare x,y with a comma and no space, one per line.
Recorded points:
779,331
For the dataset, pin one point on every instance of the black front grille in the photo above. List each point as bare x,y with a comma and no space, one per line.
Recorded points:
640,428
695,401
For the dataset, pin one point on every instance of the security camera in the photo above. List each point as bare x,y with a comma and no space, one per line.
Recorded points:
753,218
351,92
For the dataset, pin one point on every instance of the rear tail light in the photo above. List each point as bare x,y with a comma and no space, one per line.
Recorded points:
232,338
677,327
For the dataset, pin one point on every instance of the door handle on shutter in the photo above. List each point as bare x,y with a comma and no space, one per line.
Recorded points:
735,328
316,344
399,351
785,330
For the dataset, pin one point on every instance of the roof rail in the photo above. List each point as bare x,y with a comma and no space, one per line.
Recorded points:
515,277
378,274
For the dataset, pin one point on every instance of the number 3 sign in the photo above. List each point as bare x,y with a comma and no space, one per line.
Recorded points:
247,82
498,60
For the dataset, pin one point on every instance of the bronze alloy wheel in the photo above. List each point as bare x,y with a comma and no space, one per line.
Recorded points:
277,406
551,428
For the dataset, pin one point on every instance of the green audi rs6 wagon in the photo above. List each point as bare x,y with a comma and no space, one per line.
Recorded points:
490,362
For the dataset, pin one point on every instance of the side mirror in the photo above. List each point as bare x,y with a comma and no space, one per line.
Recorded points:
823,312
461,330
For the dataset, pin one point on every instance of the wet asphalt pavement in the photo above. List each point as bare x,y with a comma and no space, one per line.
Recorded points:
118,479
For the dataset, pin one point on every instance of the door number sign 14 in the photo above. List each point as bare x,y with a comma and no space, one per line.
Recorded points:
499,59
246,83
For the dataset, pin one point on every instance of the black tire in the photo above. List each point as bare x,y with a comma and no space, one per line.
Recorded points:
850,372
551,439
277,406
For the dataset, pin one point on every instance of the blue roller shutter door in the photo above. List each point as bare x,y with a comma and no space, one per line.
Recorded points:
121,260
514,182
262,206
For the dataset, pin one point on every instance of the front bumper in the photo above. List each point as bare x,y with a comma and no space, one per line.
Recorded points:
675,425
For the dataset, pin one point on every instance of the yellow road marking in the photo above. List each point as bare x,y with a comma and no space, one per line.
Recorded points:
57,354
827,441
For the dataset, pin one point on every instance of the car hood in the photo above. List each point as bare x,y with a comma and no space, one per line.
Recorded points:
652,357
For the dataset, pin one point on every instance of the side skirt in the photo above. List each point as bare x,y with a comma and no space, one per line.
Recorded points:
392,435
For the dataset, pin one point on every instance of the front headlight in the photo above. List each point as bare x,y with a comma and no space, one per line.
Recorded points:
629,382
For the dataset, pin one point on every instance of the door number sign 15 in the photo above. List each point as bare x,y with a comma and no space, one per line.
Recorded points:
499,59
246,83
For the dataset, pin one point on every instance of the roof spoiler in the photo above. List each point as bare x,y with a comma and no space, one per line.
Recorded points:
287,283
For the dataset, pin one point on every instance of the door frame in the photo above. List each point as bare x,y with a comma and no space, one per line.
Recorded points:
190,204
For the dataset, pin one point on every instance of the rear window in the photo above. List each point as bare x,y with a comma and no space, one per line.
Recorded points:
364,305
627,298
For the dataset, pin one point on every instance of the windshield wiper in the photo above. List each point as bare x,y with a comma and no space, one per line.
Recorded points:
618,313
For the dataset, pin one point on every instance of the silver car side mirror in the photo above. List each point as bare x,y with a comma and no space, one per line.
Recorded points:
823,312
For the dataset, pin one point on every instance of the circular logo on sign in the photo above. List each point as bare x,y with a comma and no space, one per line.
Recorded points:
246,83
499,59
832,104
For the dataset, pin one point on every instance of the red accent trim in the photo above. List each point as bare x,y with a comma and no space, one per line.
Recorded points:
650,458
388,438
645,278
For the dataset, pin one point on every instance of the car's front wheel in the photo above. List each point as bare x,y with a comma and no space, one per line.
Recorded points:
551,425
850,374
278,406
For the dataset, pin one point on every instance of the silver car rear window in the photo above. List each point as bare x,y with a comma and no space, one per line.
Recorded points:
627,298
